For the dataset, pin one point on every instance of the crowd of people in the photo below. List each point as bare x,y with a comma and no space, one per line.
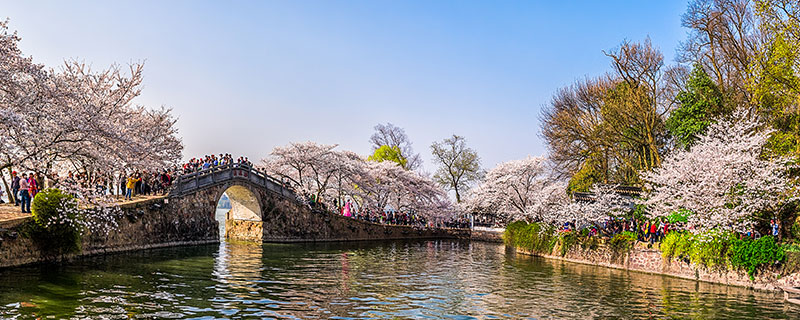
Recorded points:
348,209
158,182
646,230
24,188
209,161
650,231
127,185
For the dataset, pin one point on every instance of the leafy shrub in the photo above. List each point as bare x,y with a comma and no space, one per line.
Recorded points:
796,228
723,249
670,243
710,249
591,243
752,254
684,245
533,237
792,247
568,240
54,229
622,242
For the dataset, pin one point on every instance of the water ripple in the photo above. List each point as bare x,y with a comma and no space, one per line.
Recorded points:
390,280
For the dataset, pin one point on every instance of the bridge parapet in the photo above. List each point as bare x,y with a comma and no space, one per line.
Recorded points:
217,175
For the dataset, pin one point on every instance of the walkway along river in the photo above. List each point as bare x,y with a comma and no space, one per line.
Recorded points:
388,280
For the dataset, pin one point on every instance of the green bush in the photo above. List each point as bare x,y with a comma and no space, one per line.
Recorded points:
669,244
591,243
752,254
54,227
533,237
568,240
796,228
710,249
622,242
723,250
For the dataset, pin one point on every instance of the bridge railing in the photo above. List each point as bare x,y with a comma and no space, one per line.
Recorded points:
219,174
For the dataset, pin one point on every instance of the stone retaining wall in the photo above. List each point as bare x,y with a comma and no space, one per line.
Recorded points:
188,220
144,225
644,259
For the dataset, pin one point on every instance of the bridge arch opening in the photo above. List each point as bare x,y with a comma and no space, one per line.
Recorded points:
237,203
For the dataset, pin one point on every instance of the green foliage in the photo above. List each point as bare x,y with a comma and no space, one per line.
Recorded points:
723,250
590,174
568,240
711,249
542,238
796,228
699,103
681,215
752,254
669,244
534,237
51,230
590,243
389,153
622,242
775,80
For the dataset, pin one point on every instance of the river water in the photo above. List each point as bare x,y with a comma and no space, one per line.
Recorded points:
386,280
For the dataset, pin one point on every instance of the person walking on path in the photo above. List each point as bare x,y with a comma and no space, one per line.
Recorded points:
14,188
24,194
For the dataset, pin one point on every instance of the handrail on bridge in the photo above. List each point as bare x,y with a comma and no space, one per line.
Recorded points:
216,174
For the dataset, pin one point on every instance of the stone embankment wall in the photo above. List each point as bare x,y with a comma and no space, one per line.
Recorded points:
284,219
143,225
644,259
189,220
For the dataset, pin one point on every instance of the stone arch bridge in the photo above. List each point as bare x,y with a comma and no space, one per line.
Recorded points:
264,210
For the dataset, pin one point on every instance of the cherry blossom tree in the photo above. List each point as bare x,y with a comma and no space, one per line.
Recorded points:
603,203
316,169
78,116
723,180
308,166
517,189
78,119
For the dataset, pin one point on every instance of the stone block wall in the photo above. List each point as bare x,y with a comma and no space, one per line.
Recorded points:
150,224
644,259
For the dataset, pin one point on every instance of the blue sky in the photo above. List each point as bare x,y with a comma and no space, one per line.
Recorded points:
244,77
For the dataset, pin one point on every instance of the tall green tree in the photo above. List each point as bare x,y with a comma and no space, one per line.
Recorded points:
459,165
776,73
698,104
389,153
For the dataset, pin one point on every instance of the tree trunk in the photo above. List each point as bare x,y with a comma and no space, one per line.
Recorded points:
11,197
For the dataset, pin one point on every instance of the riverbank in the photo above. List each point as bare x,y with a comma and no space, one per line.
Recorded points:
162,222
143,224
642,257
